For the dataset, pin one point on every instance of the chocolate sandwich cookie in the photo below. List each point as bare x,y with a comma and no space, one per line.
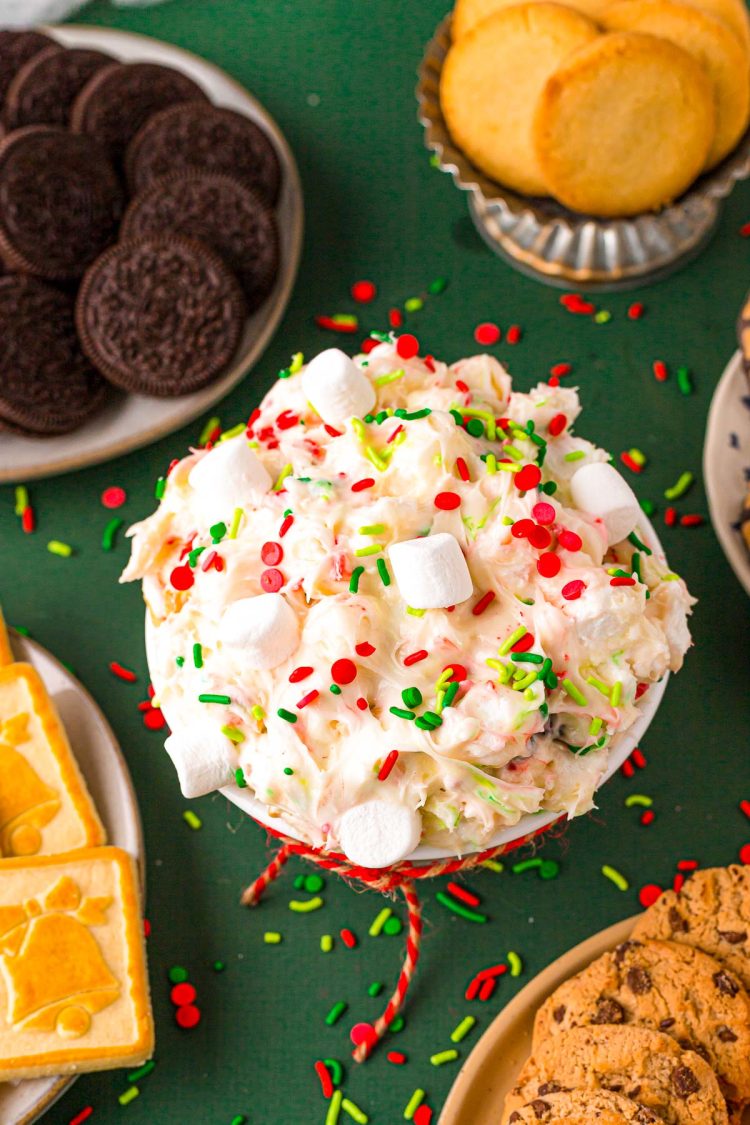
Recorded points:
44,89
207,138
120,98
47,386
221,212
16,48
60,202
160,316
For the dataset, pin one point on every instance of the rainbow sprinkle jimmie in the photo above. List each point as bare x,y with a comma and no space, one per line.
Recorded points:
404,605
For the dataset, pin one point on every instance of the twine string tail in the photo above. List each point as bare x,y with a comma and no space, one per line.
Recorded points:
253,894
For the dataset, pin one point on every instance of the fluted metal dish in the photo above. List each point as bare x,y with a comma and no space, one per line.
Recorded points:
545,240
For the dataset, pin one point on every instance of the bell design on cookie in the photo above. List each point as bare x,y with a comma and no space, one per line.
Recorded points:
55,974
27,803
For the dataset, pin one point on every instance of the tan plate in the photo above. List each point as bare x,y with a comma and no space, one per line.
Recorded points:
131,421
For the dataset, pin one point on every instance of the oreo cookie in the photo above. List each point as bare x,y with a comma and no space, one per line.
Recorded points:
16,48
161,315
119,99
47,386
204,138
44,89
60,202
221,212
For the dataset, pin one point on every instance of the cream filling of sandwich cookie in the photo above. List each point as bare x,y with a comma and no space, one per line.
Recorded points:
404,604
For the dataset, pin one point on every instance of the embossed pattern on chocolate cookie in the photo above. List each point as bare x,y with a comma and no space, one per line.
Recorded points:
581,1107
60,202
665,987
711,912
646,1066
44,89
207,138
47,386
221,212
16,48
114,104
160,316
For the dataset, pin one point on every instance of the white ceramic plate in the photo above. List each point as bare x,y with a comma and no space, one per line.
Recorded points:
130,421
620,749
726,458
108,779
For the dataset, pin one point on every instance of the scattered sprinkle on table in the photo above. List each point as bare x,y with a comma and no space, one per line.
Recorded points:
615,877
443,1057
114,497
192,820
336,1013
129,1095
412,1105
462,1029
56,547
487,334
457,908
110,532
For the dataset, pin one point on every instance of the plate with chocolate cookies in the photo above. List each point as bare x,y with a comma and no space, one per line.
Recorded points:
151,221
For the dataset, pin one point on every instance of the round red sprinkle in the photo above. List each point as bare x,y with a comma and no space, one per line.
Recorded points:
636,310
114,497
649,894
522,528
557,424
458,673
526,642
528,478
407,346
362,1033
154,719
539,537
364,648
548,564
343,671
569,540
362,704
543,513
188,1016
744,853
447,501
272,580
182,577
271,553
571,591
513,334
182,994
487,333
363,291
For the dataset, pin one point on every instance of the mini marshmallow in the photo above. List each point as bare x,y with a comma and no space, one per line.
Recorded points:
336,387
379,833
264,628
431,572
228,477
600,490
202,758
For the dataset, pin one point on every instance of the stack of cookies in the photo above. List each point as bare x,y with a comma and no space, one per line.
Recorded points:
613,109
137,232
658,1030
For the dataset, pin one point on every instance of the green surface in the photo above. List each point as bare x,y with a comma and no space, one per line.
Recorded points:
376,209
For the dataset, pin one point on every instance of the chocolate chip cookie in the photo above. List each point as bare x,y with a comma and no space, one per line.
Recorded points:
645,1066
580,1107
666,987
711,912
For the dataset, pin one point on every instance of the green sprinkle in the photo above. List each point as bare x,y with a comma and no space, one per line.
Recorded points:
513,639
615,877
354,1112
382,337
493,865
375,989
218,966
638,799
177,975
55,547
192,820
527,658
549,488
385,577
129,1096
287,716
198,654
22,499
326,943
354,580
602,316
279,483
415,612
413,1104
647,507
633,538
208,429
194,555
239,1119
575,693
415,415
372,529
272,937
209,697
236,521
307,906
397,1025
515,963
616,693
288,771
595,726
234,432
393,926
428,721
679,489
413,304
526,865
142,1071
258,713
233,734
684,381
462,1030
400,713
438,286
296,365
411,696
313,883
335,689
380,920
334,1107
443,1057
239,778
373,549
336,1012
458,908
383,380
600,685
450,694
575,455
160,487
109,533
217,531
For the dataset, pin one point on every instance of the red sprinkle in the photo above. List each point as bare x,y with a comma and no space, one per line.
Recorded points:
745,807
548,564
362,704
484,601
629,463
487,333
82,1116
571,591
687,865
638,758
326,1085
422,1115
513,335
360,485
398,1058
28,522
659,369
627,769
154,719
368,345
670,517
287,420
415,657
553,381
617,581
362,1033
122,673
560,369
524,644
463,470
678,883
575,303
182,994
286,524
309,698
343,671
488,987
463,895
647,817
492,971
522,528
271,554
364,648
188,1016
528,478
332,325
182,578
348,939
649,894
745,230
447,501
363,291
114,497
744,853
458,673
407,346
570,540
462,387
543,513
473,989
641,689
331,432
272,580
300,673
557,424
539,538
388,765
636,310
691,521
395,434
395,318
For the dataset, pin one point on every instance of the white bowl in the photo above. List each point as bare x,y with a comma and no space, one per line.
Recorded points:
725,463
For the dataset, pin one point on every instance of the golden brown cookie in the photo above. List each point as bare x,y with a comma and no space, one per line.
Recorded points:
646,1066
733,13
581,1107
743,334
624,125
711,43
711,913
468,13
491,82
665,987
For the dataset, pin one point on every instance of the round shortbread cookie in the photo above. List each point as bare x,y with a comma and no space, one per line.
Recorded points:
733,13
581,1107
468,13
491,82
624,125
711,43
